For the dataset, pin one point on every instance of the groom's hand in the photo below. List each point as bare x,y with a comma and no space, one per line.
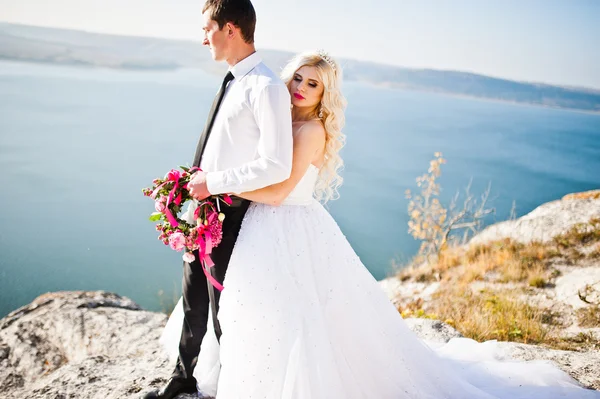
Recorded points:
197,186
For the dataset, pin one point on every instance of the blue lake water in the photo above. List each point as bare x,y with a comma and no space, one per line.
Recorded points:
78,144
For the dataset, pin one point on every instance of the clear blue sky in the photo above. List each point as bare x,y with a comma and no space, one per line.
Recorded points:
548,41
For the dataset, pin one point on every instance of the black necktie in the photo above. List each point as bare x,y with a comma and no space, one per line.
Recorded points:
211,119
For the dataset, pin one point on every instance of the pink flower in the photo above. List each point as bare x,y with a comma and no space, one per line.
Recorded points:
216,233
189,241
188,257
173,175
159,206
177,241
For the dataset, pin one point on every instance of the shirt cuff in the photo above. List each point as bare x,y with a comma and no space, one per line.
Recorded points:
215,182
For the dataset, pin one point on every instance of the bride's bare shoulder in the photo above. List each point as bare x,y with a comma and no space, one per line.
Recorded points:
311,128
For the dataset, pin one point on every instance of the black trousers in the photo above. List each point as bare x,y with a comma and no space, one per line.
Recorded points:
195,290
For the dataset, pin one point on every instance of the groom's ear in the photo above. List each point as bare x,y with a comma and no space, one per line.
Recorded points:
230,30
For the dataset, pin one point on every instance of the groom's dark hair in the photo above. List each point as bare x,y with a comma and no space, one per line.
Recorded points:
238,12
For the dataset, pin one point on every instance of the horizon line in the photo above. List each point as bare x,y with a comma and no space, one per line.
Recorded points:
563,86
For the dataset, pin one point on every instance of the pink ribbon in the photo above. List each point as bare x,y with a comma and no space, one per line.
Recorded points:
167,212
153,195
174,176
205,260
205,246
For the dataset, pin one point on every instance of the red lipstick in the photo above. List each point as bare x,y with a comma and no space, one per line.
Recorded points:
298,96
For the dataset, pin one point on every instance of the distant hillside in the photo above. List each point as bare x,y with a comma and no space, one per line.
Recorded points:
61,46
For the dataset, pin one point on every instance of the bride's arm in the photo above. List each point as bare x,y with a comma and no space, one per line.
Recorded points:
309,140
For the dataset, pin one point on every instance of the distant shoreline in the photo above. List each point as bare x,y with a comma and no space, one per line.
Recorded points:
384,85
28,43
486,99
137,68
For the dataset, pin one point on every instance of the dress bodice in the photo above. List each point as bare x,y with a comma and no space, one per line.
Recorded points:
302,194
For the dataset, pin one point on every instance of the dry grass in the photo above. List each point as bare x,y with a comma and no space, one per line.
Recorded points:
594,253
511,268
589,317
578,235
490,315
506,260
580,342
592,194
510,261
499,315
538,281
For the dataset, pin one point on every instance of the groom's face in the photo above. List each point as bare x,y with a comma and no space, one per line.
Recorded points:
214,38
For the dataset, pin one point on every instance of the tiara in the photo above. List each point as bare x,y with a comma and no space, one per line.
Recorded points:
323,54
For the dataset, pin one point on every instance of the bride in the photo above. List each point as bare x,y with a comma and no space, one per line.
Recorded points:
302,318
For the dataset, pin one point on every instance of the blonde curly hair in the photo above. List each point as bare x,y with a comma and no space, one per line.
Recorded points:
332,107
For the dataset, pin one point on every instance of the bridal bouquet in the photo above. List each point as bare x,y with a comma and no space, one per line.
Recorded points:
200,228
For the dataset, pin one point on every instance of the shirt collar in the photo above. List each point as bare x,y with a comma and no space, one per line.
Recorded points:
246,65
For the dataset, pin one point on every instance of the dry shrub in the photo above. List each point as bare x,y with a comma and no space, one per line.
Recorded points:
490,315
437,225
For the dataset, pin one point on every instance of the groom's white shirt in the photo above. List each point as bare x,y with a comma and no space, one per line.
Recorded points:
250,145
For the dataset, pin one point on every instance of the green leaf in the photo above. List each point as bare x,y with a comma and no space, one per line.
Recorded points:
184,168
155,216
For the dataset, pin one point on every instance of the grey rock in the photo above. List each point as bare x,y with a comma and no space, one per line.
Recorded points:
546,221
81,345
59,347
432,330
583,366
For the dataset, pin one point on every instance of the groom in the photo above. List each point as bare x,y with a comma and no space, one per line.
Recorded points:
246,145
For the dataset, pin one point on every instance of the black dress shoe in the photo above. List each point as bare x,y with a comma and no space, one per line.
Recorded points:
173,388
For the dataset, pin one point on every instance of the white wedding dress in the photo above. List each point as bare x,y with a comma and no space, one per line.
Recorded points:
302,318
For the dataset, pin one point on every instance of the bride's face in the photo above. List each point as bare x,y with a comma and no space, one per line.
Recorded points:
306,88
